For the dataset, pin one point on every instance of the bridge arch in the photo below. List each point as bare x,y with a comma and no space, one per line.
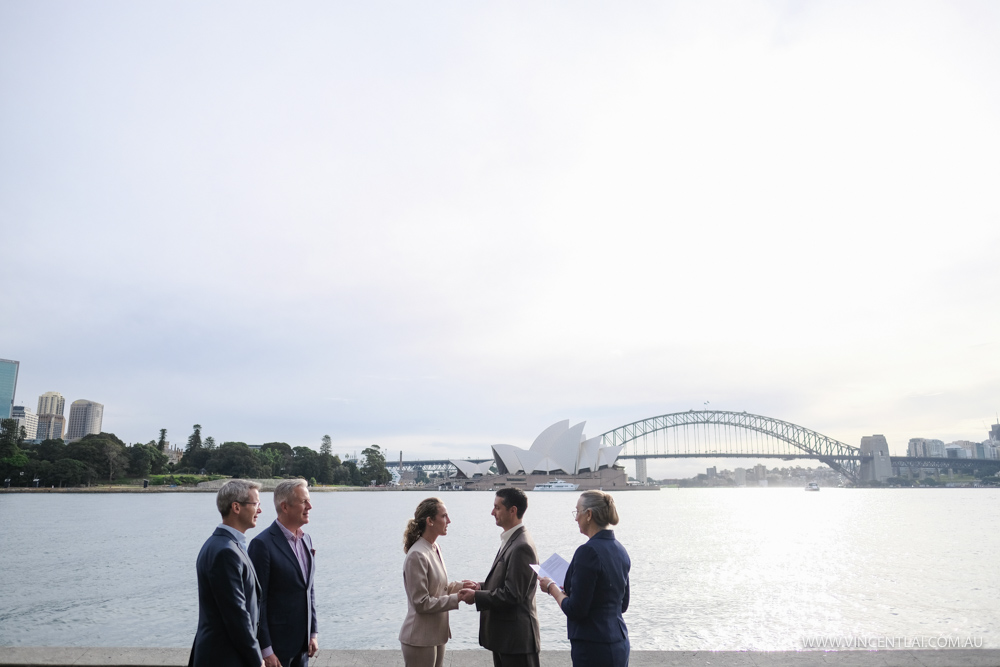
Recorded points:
794,441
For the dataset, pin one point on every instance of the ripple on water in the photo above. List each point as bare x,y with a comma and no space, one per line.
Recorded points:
713,569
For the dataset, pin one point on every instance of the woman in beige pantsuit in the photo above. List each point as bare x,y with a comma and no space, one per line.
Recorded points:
429,594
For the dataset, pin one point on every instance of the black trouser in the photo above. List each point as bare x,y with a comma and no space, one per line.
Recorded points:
515,659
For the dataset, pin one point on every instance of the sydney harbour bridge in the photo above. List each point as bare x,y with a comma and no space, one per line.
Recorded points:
724,434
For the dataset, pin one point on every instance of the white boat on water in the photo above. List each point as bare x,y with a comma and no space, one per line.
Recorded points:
812,486
556,485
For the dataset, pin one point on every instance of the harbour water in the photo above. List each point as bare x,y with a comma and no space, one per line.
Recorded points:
712,569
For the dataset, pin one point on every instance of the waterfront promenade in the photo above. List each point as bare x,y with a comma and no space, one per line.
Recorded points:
25,656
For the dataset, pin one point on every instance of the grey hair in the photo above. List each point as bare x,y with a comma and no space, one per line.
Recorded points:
601,506
283,492
234,491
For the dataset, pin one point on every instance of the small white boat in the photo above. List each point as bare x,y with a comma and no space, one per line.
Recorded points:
812,486
556,485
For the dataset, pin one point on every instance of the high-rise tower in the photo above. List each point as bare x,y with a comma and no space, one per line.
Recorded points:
27,420
51,403
8,385
85,417
50,427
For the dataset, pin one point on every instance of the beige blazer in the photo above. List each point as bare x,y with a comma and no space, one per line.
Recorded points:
429,597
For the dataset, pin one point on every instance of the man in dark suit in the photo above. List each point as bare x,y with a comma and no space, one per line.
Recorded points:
227,585
285,561
508,621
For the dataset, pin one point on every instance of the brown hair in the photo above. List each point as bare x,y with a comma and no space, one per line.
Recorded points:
415,527
601,506
511,496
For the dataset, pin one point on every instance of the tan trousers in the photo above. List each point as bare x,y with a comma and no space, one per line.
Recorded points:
423,656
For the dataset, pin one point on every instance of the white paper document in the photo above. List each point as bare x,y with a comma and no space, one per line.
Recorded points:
554,568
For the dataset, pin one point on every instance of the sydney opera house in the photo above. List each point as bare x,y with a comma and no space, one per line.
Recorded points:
560,451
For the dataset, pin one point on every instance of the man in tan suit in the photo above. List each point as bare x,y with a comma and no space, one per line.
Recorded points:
508,622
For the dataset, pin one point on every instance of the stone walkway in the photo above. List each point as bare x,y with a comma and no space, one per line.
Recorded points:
25,656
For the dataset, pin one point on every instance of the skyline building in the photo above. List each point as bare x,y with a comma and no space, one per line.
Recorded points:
26,419
925,447
51,403
50,427
85,417
8,386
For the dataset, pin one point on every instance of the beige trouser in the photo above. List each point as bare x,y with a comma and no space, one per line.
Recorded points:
423,656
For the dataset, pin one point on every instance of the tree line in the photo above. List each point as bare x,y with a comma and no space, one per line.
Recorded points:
104,457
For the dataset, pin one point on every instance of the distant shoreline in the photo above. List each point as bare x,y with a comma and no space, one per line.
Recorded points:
364,489
184,489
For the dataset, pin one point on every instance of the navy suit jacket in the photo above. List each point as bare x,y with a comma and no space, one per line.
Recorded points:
227,606
287,606
597,590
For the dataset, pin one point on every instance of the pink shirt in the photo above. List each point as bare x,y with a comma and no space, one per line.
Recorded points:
298,546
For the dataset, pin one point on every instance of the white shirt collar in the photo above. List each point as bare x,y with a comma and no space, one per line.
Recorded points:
507,534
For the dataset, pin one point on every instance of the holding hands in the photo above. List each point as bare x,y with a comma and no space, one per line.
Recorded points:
468,592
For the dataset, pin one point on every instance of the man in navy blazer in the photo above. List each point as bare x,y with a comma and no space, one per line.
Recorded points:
228,590
285,561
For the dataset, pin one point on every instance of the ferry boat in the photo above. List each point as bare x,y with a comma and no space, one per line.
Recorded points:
812,486
556,485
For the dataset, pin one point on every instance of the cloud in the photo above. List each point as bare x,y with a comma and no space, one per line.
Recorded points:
471,222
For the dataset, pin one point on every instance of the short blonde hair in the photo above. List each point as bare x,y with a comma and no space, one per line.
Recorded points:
602,507
283,492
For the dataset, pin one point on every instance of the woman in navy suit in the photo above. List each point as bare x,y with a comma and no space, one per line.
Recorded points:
596,587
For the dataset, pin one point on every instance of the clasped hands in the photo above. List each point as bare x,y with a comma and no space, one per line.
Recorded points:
468,592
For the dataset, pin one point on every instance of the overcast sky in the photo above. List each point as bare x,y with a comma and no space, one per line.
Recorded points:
440,226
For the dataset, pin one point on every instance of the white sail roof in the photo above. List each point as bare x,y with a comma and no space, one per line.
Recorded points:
470,469
559,447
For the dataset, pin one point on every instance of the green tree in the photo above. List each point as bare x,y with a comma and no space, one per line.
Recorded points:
353,475
195,456
210,443
116,457
236,459
146,459
161,444
70,472
103,452
327,445
194,440
10,438
50,450
273,460
373,469
86,450
306,463
140,463
280,455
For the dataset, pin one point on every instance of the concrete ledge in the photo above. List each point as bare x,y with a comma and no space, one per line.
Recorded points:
28,656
